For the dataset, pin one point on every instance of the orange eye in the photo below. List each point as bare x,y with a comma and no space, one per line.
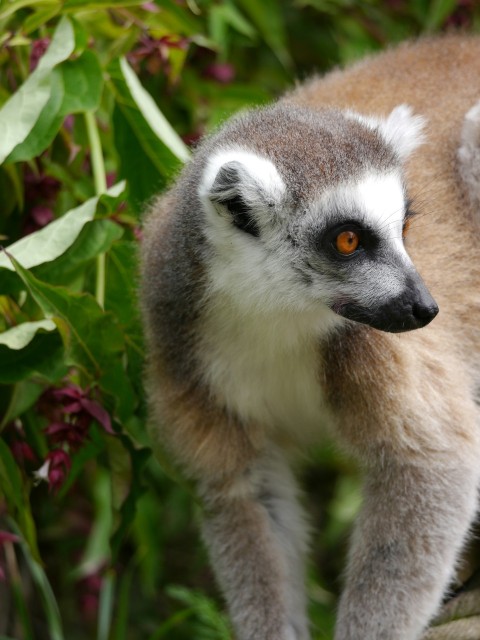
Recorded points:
347,242
406,228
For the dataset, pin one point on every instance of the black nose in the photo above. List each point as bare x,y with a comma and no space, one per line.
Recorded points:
425,312
414,308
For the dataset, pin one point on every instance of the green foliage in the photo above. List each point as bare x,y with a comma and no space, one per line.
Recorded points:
93,531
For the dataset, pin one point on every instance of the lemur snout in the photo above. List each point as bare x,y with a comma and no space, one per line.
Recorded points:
423,307
423,312
414,308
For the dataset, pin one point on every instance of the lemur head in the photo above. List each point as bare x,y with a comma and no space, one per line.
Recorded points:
307,209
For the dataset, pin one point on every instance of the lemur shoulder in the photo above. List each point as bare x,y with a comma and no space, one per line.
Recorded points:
292,277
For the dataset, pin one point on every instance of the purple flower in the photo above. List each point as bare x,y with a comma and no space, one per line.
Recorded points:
221,72
22,451
54,470
38,49
155,52
70,411
40,194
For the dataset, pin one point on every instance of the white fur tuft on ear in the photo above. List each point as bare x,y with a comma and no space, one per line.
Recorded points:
403,130
242,188
258,177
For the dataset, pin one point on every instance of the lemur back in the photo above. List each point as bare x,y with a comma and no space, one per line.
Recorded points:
291,278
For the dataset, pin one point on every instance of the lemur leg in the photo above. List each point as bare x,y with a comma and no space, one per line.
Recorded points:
469,154
413,523
257,538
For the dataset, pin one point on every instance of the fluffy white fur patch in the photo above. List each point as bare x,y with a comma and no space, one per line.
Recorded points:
401,129
260,175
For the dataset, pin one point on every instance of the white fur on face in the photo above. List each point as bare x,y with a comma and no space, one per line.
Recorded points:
381,199
255,273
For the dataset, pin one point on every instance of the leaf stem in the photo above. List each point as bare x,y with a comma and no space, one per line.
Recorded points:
100,181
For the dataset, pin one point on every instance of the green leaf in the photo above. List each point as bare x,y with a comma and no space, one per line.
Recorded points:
138,164
47,125
83,83
139,458
41,353
91,337
22,110
98,548
18,337
52,241
175,18
10,479
439,10
105,606
150,150
268,18
223,16
20,113
60,48
130,91
52,612
76,86
122,298
23,396
95,238
40,17
101,4
120,629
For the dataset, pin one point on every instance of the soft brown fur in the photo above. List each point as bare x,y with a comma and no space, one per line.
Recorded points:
402,404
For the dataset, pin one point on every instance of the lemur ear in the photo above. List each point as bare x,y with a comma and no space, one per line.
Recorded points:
403,130
244,186
226,191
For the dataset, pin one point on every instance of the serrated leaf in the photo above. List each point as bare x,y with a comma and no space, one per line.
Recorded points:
52,241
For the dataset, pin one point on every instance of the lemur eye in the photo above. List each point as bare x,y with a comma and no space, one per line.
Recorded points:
406,228
347,242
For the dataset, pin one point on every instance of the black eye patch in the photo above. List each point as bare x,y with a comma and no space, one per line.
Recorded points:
368,240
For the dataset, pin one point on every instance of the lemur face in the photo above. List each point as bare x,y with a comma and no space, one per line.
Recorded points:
352,239
340,246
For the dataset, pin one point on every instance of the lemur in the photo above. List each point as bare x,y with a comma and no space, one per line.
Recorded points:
291,278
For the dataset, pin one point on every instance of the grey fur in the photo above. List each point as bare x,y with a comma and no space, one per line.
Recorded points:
249,356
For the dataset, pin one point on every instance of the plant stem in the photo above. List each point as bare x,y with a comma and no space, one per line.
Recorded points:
100,181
